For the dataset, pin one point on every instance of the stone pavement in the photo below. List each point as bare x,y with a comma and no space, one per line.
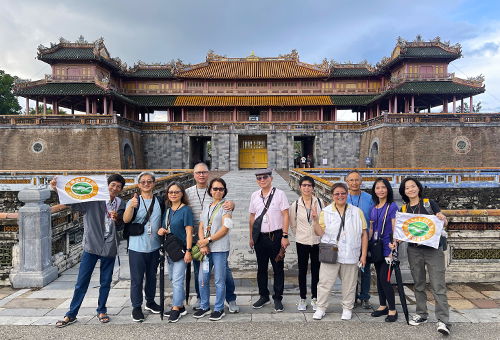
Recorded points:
470,303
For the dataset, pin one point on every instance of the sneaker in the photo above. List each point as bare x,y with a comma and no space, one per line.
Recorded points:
346,314
217,315
153,307
314,304
196,305
182,311
137,314
233,307
417,320
302,305
366,304
318,314
175,315
201,313
278,306
263,300
443,328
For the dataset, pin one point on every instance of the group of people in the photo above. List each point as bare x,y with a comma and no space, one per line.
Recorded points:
201,216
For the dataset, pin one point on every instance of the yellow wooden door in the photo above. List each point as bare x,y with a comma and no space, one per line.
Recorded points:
253,152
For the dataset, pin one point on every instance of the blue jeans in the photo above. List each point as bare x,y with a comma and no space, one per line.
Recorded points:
230,287
87,265
220,268
364,292
177,275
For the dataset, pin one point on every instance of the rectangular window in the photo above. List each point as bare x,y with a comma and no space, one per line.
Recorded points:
310,84
194,84
220,84
251,84
153,87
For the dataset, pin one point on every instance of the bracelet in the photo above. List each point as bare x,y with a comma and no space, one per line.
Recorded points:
188,250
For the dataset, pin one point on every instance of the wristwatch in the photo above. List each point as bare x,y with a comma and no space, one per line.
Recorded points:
188,250
285,236
209,239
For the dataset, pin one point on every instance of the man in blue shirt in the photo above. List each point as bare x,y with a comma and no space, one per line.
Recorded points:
364,201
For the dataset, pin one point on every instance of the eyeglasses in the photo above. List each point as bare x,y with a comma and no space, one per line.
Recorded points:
201,173
306,185
337,194
146,182
263,177
218,189
177,192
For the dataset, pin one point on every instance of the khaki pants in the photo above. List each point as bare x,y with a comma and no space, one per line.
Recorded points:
328,275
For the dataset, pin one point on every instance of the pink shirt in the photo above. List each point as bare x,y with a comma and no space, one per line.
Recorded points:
273,219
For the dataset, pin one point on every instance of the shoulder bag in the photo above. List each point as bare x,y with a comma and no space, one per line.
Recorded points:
171,244
376,247
328,253
257,223
136,229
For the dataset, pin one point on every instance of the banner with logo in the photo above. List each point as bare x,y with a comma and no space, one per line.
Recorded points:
420,229
78,189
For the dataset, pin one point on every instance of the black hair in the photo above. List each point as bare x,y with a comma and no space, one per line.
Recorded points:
340,185
184,198
221,181
307,178
116,178
405,198
390,193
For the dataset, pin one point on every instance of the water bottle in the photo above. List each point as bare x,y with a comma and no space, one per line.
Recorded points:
205,266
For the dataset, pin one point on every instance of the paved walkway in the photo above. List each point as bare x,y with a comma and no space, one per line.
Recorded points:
470,303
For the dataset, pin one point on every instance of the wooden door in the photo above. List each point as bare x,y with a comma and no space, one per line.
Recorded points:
253,152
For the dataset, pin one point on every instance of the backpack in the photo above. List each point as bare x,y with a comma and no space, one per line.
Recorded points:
427,207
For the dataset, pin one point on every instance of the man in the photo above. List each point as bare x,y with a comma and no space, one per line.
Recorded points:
198,198
364,201
273,236
100,222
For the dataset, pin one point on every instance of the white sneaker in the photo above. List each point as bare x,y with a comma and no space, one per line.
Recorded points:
314,304
318,314
443,328
302,305
346,314
233,307
417,320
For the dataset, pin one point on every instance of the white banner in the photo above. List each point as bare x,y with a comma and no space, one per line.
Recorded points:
78,189
420,229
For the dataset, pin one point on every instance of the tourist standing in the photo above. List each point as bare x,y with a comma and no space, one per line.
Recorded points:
421,257
342,226
307,241
100,242
198,197
273,236
143,250
178,220
362,200
214,243
382,221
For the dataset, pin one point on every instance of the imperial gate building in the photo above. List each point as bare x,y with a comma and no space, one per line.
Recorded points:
252,112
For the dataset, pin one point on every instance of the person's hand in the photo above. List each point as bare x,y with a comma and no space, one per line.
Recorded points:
113,215
285,242
134,202
187,257
314,213
388,259
251,244
53,184
441,216
202,242
228,205
362,262
393,245
162,231
204,250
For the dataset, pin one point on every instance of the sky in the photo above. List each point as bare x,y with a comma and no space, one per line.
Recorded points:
346,31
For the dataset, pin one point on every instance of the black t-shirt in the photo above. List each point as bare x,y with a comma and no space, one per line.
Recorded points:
420,209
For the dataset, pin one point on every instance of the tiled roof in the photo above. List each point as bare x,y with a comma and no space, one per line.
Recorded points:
351,100
435,87
259,69
154,101
341,72
422,52
149,73
58,89
252,100
70,53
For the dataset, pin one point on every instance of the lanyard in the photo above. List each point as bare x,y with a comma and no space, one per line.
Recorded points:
211,215
308,212
263,199
199,198
170,216
359,199
112,207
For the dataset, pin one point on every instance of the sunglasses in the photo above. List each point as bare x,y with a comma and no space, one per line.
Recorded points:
201,173
174,192
340,194
306,185
263,177
218,189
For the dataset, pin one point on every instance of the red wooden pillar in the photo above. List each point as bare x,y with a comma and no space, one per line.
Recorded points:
105,105
454,104
412,104
462,105
334,118
471,105
44,105
37,102
270,115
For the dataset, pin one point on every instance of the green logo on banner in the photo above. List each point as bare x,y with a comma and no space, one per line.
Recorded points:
418,228
82,188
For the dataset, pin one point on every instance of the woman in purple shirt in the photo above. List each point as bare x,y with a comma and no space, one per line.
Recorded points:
384,211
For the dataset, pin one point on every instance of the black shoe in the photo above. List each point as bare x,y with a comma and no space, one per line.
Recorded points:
263,300
378,313
137,314
153,307
217,315
391,318
278,306
182,311
175,315
201,313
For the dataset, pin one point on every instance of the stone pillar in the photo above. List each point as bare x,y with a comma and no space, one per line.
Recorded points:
44,105
35,241
27,106
87,105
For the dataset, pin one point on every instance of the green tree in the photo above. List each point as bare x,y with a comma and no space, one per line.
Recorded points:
475,108
49,110
8,102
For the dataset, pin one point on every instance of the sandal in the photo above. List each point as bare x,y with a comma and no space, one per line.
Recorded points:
103,318
65,322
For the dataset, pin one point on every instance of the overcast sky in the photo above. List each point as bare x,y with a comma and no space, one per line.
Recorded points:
159,31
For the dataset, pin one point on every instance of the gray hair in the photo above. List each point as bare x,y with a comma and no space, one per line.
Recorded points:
146,173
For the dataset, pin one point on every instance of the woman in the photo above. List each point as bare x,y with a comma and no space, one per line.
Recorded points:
143,250
178,220
344,227
421,257
213,241
382,220
307,241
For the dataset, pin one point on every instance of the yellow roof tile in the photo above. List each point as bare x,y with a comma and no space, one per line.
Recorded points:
252,101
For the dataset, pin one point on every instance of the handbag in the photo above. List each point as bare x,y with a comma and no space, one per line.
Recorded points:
136,229
328,252
376,248
172,245
257,223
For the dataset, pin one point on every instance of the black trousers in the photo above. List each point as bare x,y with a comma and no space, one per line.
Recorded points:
143,265
266,250
304,252
384,288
